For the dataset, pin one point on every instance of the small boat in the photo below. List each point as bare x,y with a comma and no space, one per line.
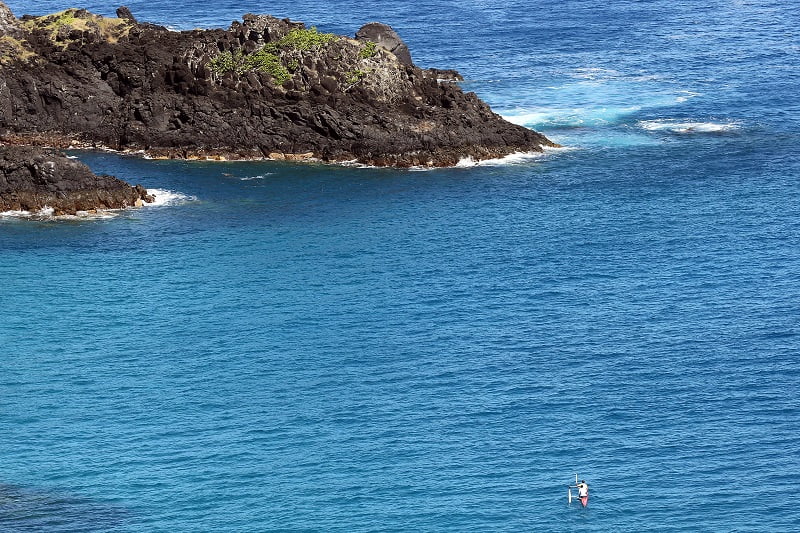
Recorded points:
583,499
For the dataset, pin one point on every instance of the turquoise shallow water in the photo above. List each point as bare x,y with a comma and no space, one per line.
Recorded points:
282,347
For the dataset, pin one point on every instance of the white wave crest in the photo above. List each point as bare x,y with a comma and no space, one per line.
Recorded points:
686,96
594,73
104,214
259,177
353,163
677,126
574,117
517,158
15,214
164,197
48,213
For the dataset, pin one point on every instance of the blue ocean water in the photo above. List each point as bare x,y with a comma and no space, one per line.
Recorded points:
280,347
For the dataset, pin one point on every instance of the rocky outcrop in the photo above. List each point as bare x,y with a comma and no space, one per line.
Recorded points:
33,179
125,14
7,19
264,88
384,36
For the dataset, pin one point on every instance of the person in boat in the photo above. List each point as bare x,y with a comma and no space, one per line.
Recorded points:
583,489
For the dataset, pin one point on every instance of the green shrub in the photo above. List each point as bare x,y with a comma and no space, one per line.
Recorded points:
369,50
227,62
265,61
268,58
261,61
304,40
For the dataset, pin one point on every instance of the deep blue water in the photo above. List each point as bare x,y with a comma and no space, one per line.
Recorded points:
303,347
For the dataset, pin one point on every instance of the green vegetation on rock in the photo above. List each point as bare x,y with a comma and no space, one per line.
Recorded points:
12,49
279,58
260,61
110,29
369,50
304,40
52,22
264,61
228,62
354,76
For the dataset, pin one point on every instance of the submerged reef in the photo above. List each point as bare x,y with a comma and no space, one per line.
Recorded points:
263,88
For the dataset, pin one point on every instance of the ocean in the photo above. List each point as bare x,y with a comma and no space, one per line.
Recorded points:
302,347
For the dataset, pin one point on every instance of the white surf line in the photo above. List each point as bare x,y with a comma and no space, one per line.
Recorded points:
688,126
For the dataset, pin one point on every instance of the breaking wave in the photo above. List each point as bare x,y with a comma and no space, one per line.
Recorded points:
518,158
47,213
683,127
165,197
572,117
259,177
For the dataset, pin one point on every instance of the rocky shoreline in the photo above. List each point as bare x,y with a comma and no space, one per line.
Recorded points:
265,88
34,179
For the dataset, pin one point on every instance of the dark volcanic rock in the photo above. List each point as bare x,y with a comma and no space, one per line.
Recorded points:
444,74
124,13
7,17
9,25
32,179
384,36
266,87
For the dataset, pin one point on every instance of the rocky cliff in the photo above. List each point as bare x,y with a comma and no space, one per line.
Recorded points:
264,88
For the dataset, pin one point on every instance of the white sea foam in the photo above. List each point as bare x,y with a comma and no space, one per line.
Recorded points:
353,163
206,159
529,118
259,177
15,214
686,96
594,73
572,117
682,127
45,213
165,197
93,215
517,158
162,198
